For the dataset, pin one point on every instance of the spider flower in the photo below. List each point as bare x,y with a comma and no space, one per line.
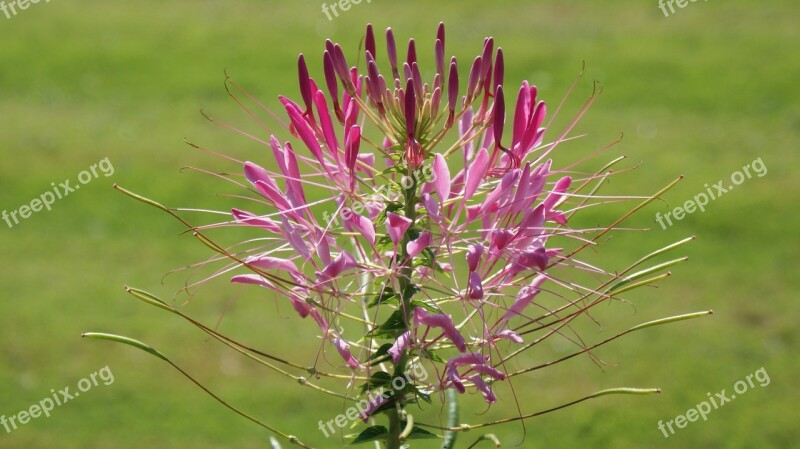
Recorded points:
412,219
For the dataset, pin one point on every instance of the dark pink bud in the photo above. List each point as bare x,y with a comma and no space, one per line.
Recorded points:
391,49
333,85
440,33
410,107
369,43
474,78
452,88
305,82
499,115
340,64
486,57
439,55
416,76
412,52
499,68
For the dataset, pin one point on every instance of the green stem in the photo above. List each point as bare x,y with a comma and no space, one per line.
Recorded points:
395,424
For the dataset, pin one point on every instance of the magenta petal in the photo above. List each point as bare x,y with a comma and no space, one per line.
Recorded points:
524,297
252,279
452,376
415,247
441,177
399,346
487,370
445,323
375,403
272,263
484,388
474,254
558,191
361,224
467,359
250,219
326,124
396,226
475,290
508,334
344,350
475,173
340,264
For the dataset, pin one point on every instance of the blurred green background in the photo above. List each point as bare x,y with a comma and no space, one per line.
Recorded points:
700,93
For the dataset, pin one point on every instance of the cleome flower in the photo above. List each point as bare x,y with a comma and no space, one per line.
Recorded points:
419,223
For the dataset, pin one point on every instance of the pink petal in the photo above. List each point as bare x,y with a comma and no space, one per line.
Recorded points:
475,289
484,388
344,350
272,263
400,346
487,370
343,262
558,191
467,359
524,297
250,219
475,173
396,226
474,254
415,247
361,224
508,334
441,178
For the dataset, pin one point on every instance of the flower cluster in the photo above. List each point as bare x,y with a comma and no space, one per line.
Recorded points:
446,270
494,216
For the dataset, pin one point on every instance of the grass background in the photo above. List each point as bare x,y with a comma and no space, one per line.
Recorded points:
700,93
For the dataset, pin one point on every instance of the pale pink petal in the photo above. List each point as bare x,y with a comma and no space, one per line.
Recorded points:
484,388
487,370
508,334
524,297
344,350
441,177
476,172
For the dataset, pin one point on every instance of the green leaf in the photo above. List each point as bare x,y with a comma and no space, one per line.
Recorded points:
377,380
429,354
382,351
387,296
422,304
373,433
420,434
392,327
